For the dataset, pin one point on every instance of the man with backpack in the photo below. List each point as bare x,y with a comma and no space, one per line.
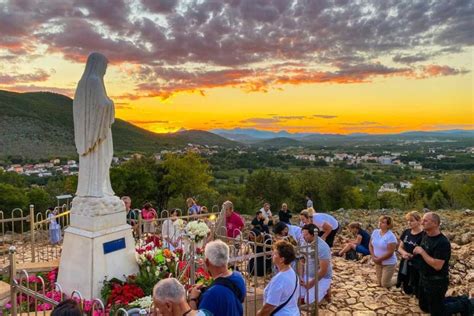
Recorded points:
227,293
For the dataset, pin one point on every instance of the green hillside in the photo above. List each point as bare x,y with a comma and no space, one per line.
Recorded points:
40,125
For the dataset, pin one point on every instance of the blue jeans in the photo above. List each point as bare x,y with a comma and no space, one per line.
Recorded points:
363,250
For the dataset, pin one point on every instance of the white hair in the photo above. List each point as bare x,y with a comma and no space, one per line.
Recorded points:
169,289
217,252
227,205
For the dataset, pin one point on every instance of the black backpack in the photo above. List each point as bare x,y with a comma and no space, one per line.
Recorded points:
458,305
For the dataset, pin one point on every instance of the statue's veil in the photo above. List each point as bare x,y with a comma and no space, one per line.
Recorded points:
91,106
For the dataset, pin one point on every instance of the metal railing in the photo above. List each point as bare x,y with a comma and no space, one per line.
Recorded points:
249,255
245,255
26,297
30,233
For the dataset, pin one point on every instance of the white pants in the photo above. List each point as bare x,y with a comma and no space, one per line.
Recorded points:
323,287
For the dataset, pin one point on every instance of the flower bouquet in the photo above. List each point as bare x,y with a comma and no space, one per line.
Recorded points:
197,230
154,263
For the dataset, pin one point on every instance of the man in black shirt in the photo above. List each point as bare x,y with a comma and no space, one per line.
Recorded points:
285,214
259,222
434,254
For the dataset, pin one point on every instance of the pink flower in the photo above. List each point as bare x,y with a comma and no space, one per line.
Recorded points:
44,307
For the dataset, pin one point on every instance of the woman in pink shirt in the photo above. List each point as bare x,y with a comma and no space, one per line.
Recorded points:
149,216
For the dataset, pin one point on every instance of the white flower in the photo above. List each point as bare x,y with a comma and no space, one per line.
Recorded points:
196,230
144,302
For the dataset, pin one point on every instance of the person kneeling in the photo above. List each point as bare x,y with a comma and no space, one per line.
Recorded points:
360,244
324,274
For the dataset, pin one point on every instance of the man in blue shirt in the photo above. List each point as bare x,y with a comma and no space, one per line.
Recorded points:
227,293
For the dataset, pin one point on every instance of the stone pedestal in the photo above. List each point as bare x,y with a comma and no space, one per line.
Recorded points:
98,244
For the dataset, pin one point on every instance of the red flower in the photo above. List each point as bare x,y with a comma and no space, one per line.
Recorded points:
124,294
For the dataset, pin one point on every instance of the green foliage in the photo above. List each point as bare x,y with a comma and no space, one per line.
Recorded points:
11,198
267,185
12,178
421,192
146,280
61,185
460,189
188,176
337,190
137,179
392,200
306,184
438,201
40,198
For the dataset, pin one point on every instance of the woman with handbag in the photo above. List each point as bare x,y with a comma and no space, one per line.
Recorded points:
408,275
280,296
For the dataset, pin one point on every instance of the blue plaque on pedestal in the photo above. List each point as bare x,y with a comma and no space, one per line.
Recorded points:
114,245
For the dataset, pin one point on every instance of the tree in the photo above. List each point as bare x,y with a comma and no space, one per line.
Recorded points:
392,200
438,201
187,176
12,178
267,185
460,189
336,189
421,192
135,178
11,198
304,184
39,198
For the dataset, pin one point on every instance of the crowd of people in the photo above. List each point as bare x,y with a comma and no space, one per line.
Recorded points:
423,250
423,268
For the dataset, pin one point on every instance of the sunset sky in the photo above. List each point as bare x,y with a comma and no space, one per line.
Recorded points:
329,66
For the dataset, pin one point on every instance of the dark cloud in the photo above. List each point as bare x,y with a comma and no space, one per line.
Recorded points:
409,59
123,105
324,116
290,117
12,79
436,71
200,44
160,6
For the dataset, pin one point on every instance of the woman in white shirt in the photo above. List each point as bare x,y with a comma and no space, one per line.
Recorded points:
382,246
327,226
170,232
280,296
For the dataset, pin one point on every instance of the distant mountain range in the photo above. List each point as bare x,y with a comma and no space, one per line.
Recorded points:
40,125
284,138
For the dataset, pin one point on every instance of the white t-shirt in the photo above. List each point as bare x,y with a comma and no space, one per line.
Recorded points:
324,253
170,230
320,218
266,214
296,233
279,289
380,244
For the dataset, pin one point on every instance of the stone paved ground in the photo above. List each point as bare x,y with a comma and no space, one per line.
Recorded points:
355,292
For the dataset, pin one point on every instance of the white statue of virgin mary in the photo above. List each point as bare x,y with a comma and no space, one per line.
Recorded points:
93,117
